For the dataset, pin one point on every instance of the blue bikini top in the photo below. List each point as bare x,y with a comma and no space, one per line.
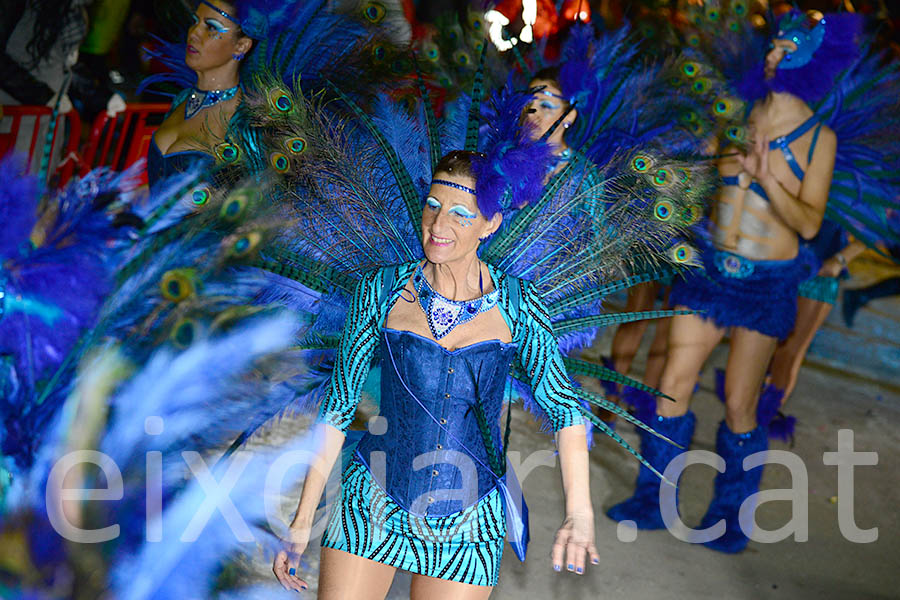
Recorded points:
783,143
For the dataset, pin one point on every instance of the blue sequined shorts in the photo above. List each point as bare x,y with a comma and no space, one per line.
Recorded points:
465,546
734,291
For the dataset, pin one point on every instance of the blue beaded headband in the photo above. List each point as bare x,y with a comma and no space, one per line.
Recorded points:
221,12
454,185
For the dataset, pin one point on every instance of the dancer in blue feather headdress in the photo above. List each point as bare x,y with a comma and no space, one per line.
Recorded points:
773,195
599,102
468,297
230,44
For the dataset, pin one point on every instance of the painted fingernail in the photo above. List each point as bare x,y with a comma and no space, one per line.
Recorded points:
557,568
303,586
292,571
579,570
571,567
595,561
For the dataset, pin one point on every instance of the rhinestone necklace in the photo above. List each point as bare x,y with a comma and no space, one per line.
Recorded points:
444,315
200,99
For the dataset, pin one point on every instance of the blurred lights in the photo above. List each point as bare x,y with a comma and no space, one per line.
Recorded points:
498,21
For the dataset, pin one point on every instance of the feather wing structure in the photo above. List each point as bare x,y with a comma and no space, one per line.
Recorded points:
56,266
158,429
864,112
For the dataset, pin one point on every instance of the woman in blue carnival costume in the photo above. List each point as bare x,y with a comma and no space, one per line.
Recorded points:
219,65
447,329
771,196
599,101
757,298
446,350
216,46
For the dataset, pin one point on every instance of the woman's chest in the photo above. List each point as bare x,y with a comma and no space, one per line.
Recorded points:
456,328
201,132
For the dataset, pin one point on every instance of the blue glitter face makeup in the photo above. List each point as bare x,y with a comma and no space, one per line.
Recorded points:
214,27
217,28
464,216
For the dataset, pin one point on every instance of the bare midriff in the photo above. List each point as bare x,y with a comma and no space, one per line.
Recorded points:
745,223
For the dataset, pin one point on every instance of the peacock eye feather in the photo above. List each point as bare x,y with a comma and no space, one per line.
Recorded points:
279,161
662,178
379,53
280,100
183,333
691,214
235,206
663,209
432,53
295,145
690,68
476,22
701,85
642,163
374,12
693,40
735,134
245,244
682,253
200,196
690,117
227,152
177,285
713,15
462,58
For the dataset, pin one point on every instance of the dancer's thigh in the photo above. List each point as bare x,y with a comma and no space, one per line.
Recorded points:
691,340
748,359
432,588
343,575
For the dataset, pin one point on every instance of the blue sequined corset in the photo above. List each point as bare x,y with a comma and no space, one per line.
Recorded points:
161,166
435,465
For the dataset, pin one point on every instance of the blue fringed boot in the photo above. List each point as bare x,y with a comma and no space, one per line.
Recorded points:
768,414
642,403
643,507
734,485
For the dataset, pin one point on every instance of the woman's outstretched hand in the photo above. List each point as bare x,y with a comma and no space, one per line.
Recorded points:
574,543
288,560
